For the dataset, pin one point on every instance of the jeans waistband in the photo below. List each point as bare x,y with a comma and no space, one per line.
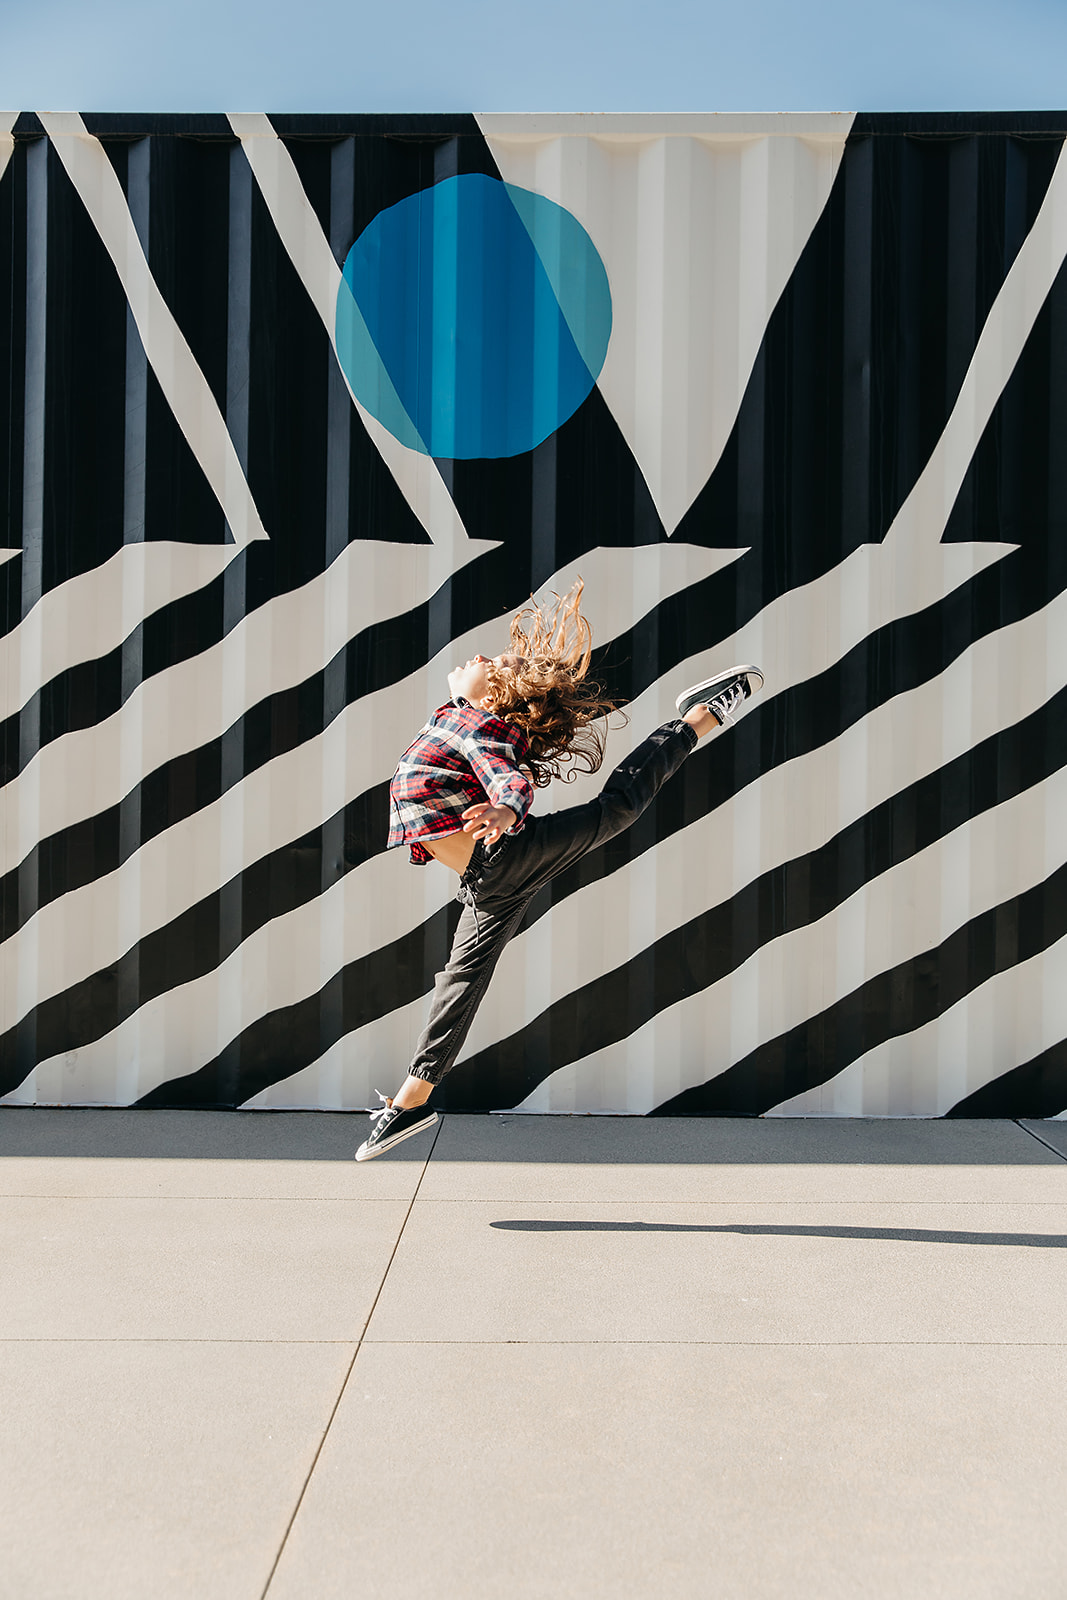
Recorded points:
479,864
471,878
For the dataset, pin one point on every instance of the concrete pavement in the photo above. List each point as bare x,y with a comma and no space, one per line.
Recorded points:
528,1357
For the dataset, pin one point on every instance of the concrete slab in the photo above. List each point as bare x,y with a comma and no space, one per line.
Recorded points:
745,1474
162,1470
690,1158
206,1154
774,1360
192,1269
481,1270
1053,1133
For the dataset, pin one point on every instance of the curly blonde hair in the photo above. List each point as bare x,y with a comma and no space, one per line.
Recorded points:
549,694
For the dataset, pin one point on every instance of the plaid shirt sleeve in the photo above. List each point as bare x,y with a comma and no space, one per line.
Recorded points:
463,756
494,750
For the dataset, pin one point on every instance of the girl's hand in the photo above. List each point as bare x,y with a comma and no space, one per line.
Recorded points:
488,822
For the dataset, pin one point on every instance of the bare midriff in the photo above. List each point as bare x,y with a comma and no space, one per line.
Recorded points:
451,849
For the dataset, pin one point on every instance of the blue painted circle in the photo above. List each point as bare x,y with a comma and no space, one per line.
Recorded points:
473,318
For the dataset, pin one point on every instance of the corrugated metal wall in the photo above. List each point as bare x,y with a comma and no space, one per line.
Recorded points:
789,389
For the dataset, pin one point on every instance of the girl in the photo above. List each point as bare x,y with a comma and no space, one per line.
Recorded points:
462,792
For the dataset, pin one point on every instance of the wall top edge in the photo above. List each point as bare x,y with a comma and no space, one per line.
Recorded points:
609,125
537,126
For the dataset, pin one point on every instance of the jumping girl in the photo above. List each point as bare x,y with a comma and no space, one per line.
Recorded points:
463,789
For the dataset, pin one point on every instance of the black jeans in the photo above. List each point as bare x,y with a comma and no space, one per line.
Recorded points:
500,882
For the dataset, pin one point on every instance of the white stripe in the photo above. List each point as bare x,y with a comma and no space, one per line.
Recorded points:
904,596
287,959
170,713
1013,1017
893,918
417,476
911,908
346,1075
90,927
809,628
90,615
186,389
793,810
700,222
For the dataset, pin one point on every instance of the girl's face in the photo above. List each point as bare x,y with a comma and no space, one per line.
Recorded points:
472,680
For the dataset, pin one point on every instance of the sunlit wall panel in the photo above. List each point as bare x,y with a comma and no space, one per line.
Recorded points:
296,412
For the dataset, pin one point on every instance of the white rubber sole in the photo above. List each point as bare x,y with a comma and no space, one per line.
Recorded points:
700,693
363,1154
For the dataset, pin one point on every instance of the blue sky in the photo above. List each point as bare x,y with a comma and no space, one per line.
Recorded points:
556,55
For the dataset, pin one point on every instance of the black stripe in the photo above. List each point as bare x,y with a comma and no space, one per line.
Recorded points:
381,655
194,215
451,124
708,947
684,961
292,1037
13,342
1026,487
1036,1089
315,125
866,350
893,1003
1015,489
349,180
83,414
958,124
597,497
198,940
910,651
707,612
878,414
905,653
12,382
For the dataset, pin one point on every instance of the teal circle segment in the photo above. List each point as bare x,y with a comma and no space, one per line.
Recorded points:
473,318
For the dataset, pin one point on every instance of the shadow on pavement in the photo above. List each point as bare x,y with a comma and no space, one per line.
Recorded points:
1048,1241
513,1138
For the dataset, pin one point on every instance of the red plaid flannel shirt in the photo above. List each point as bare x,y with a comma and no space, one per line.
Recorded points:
462,757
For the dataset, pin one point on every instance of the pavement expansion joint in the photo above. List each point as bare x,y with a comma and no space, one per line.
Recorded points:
347,1376
741,1200
51,1338
244,1199
745,1344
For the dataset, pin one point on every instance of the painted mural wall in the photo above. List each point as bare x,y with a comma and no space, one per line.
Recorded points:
296,412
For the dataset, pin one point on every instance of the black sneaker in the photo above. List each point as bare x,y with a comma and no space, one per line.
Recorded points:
724,695
393,1125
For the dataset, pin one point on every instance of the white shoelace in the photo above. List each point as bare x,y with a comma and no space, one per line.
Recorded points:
384,1107
725,704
